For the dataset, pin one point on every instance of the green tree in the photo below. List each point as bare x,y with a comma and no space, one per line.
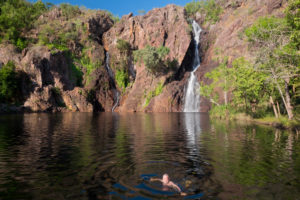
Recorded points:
249,87
210,8
276,55
192,8
153,58
221,77
246,85
16,17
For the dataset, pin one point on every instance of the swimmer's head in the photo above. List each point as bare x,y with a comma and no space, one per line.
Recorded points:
165,179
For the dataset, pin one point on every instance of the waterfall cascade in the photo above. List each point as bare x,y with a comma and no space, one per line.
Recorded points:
111,75
192,95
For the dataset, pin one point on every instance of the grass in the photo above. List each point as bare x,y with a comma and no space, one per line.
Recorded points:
229,113
281,122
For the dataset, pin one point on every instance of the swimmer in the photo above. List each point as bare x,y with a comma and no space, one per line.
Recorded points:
167,183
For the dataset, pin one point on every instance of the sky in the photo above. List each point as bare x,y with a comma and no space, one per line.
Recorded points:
121,7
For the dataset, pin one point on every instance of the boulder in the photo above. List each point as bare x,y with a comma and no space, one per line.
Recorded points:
9,52
75,100
46,68
41,100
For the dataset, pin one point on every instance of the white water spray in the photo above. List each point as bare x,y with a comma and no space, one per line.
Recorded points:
111,75
192,95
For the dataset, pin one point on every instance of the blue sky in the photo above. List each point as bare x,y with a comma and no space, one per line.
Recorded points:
121,7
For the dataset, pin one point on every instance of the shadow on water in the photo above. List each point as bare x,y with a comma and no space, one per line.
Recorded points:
114,156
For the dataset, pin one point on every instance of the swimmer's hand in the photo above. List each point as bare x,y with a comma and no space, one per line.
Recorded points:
183,194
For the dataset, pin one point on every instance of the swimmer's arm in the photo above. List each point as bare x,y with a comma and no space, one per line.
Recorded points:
155,179
177,188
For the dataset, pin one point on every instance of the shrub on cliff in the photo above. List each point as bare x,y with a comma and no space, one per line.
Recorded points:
69,11
123,46
210,8
122,78
9,84
192,8
153,58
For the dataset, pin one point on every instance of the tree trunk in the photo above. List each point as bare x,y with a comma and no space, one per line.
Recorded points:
213,101
225,92
274,107
225,97
288,110
288,99
278,109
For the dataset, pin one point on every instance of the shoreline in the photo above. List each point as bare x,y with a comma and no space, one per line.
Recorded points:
280,123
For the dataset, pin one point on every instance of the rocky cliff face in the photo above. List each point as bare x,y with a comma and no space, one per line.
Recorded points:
59,81
160,27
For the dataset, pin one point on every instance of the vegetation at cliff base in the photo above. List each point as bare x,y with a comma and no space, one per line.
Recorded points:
268,85
10,82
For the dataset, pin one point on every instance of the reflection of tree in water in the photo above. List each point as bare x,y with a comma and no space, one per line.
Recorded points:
255,164
11,135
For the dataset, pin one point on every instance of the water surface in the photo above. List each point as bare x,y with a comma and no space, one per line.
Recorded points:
113,156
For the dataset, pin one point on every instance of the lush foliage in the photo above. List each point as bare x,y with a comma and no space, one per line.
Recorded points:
210,8
293,20
122,64
246,85
17,16
277,45
269,84
193,7
9,84
122,78
153,58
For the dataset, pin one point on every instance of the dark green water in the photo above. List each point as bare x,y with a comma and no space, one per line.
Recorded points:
112,156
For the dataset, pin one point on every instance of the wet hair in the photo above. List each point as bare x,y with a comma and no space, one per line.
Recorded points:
166,175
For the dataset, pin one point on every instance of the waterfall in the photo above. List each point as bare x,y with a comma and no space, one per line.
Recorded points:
111,76
192,95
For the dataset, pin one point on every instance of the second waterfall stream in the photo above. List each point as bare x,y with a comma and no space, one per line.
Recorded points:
192,95
111,76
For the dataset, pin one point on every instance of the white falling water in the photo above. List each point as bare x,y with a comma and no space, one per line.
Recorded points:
111,75
192,95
